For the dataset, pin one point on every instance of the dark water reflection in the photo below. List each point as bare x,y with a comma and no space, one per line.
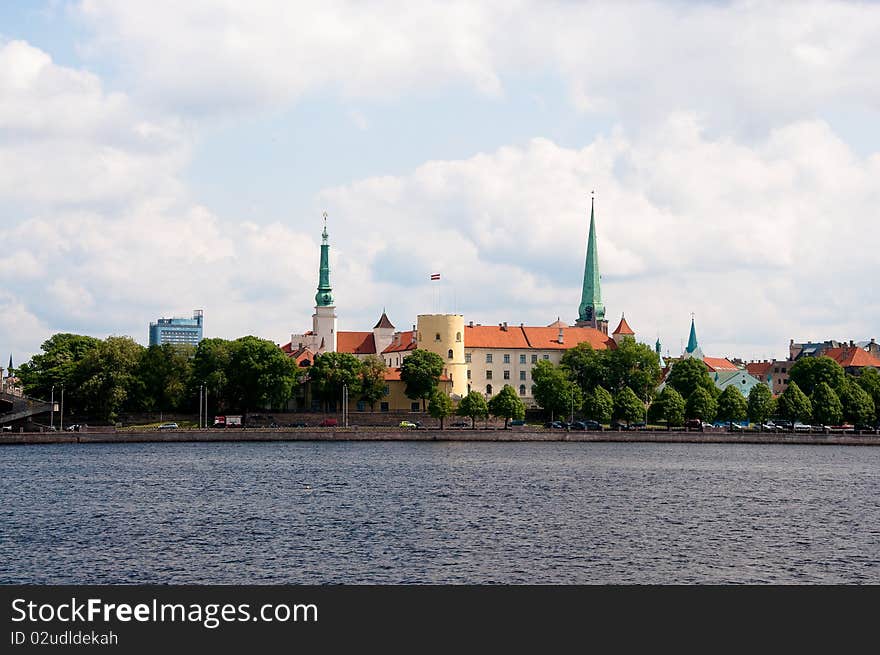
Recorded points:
306,513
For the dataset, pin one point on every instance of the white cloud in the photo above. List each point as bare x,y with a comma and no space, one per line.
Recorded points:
759,242
742,65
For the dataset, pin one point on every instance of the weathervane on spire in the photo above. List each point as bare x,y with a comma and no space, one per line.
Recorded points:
324,235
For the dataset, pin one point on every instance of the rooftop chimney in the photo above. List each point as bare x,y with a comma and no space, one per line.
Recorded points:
505,326
471,324
561,339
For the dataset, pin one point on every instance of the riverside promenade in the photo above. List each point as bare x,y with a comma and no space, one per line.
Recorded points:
392,434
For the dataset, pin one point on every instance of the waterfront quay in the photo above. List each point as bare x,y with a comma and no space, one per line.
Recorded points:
466,435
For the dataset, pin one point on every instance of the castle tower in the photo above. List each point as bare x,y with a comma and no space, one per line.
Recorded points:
324,318
383,332
591,312
444,334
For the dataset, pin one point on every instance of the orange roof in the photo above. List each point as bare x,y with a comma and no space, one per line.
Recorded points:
406,343
852,357
545,338
298,354
623,327
719,364
494,336
393,375
356,343
759,369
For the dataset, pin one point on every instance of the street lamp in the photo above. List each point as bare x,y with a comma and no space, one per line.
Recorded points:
52,408
61,425
345,405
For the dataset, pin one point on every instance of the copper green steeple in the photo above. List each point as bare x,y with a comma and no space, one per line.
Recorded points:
591,310
324,297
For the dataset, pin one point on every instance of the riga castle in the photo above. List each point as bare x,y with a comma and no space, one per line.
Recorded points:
478,357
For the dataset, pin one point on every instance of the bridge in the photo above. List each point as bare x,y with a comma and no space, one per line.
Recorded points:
15,408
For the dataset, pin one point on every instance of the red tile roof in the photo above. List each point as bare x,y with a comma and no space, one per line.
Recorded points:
623,327
494,336
852,357
356,343
406,343
298,354
759,369
544,338
719,364
383,322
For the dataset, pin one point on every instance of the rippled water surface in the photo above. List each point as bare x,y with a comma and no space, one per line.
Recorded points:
305,513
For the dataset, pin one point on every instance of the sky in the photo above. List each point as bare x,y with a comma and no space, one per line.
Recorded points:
158,157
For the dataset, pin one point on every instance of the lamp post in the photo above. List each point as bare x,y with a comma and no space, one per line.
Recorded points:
52,408
201,390
61,425
345,405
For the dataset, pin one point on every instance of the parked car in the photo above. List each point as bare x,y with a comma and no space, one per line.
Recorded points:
555,425
461,424
845,427
328,423
802,427
410,424
6,428
298,424
167,426
693,424
517,421
72,428
768,426
783,424
641,425
586,425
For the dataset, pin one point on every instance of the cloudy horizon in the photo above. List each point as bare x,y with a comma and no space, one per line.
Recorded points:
159,158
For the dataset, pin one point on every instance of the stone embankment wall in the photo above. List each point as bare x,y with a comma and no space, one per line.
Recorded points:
434,435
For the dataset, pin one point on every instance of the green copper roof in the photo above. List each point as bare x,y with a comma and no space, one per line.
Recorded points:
692,339
657,346
591,307
324,297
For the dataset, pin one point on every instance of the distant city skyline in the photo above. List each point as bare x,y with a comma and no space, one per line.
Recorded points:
155,160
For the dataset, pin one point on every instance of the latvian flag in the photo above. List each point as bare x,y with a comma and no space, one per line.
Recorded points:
435,276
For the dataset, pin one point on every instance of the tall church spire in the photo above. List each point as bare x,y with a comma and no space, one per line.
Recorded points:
693,348
324,297
591,311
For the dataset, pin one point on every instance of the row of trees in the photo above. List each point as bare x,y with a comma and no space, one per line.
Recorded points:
103,378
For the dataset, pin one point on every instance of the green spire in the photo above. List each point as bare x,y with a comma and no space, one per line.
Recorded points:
692,339
591,307
324,297
657,347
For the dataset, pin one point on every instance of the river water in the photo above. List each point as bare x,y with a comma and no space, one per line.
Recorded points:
355,512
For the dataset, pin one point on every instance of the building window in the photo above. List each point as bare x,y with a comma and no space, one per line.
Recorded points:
488,375
414,406
386,390
506,375
467,358
383,407
449,354
546,357
522,375
361,406
437,337
489,389
506,358
488,358
534,359
469,374
522,390
458,336
522,359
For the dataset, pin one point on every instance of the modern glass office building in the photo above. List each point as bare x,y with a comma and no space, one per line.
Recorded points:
177,330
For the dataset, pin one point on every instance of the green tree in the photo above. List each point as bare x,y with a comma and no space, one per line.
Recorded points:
440,406
673,407
827,408
794,405
869,380
56,366
598,405
106,376
702,405
628,407
209,367
632,365
732,405
761,405
809,372
421,371
260,375
507,405
163,377
331,373
858,406
371,383
473,406
687,375
554,391
585,365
